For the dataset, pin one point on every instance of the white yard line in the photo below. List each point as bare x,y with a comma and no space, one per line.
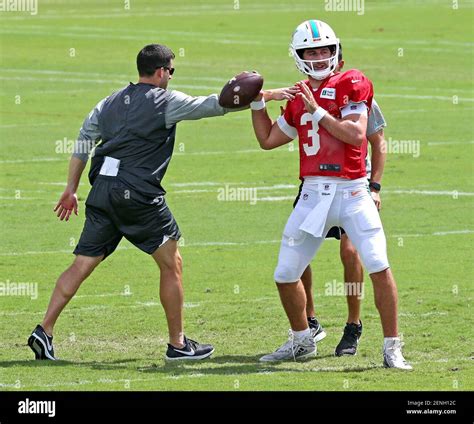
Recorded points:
187,184
277,39
231,243
123,81
36,252
72,310
202,153
79,296
199,244
280,187
25,190
437,233
222,152
441,143
418,97
277,187
415,315
154,32
201,183
430,192
129,383
47,159
65,80
446,233
19,199
24,125
192,375
220,80
155,14
92,36
385,192
77,383
62,183
276,198
136,305
222,186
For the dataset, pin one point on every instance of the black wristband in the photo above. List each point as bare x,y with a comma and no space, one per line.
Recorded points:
375,186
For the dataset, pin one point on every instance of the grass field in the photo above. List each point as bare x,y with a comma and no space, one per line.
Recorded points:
56,65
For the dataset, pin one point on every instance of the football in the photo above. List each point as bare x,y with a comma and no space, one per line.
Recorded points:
241,90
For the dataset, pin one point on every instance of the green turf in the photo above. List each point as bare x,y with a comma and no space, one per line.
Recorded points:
114,342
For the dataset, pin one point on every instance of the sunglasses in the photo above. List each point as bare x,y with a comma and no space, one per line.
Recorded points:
171,70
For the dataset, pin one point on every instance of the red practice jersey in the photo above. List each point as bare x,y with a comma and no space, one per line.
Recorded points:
321,153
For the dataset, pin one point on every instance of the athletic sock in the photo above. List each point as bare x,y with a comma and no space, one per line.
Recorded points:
300,335
389,340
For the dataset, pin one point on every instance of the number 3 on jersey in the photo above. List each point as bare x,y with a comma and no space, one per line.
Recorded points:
312,149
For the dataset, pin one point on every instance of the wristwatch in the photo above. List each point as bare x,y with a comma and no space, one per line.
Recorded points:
375,186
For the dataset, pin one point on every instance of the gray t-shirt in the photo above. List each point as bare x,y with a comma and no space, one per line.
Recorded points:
136,128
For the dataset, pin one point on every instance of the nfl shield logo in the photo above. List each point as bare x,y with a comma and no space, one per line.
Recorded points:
326,186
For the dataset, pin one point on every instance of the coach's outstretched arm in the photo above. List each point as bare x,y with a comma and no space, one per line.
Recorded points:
182,107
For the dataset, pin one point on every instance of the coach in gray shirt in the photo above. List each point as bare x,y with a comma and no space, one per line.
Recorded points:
136,128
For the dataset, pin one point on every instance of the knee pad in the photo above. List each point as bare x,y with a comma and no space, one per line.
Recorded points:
368,236
375,261
286,273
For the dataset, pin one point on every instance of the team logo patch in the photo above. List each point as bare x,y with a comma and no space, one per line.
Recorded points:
328,93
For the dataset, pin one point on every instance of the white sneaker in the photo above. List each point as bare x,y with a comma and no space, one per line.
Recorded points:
293,350
393,357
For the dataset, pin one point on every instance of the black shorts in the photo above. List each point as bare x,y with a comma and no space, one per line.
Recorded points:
113,211
334,232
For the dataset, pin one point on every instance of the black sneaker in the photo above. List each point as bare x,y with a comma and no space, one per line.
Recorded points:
41,344
191,351
317,331
350,340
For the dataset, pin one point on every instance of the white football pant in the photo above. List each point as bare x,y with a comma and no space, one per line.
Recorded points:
325,203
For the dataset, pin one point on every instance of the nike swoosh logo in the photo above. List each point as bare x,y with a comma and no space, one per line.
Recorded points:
47,341
191,353
354,81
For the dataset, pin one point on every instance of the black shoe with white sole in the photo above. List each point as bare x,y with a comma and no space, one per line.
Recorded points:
317,330
41,344
350,340
192,350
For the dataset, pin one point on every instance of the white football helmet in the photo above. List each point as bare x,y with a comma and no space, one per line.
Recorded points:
310,35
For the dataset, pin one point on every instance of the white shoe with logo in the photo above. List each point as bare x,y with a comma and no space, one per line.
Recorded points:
393,357
293,350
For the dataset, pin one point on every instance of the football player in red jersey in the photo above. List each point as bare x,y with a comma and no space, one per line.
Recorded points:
353,269
329,117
